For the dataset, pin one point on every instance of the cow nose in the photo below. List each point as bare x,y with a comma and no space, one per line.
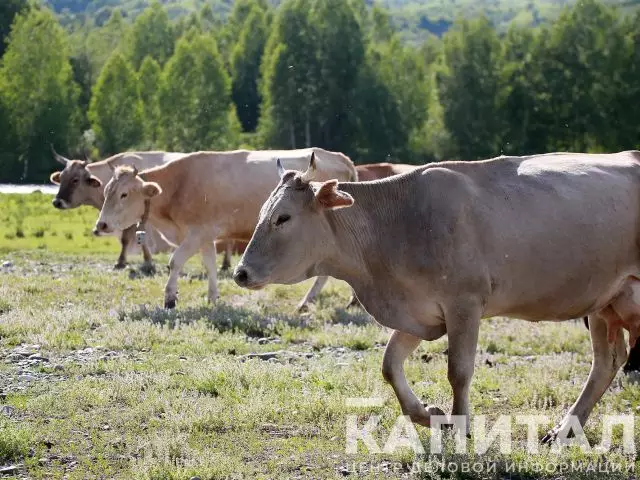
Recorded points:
57,203
100,227
241,276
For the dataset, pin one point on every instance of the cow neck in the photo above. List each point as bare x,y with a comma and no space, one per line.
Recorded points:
356,230
154,206
96,195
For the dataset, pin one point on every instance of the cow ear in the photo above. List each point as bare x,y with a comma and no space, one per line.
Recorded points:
55,178
151,189
94,181
328,196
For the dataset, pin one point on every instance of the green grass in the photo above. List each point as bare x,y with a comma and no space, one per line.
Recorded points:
131,391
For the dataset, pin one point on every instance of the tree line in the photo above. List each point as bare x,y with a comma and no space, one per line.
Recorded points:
328,73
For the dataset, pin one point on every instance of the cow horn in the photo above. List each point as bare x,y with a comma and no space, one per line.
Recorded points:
280,168
59,157
311,170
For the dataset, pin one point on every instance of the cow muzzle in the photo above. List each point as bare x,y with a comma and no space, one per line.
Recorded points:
59,203
100,228
243,276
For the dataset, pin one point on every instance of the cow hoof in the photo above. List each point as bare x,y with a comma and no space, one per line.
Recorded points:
353,303
304,308
148,268
119,266
170,304
550,437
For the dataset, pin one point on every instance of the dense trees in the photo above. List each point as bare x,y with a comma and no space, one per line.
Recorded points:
330,73
194,98
37,92
116,109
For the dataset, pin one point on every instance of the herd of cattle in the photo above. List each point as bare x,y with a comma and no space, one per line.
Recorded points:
427,250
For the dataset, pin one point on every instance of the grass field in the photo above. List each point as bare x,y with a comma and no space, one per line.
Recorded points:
97,381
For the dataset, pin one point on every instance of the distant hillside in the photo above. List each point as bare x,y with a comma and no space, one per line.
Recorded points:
414,18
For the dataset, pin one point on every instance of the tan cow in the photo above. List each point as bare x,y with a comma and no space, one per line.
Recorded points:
376,171
206,196
543,237
82,183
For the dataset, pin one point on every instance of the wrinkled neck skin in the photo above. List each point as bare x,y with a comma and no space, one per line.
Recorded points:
159,205
354,252
95,196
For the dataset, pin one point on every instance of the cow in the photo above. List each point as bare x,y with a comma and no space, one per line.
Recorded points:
433,251
81,183
376,171
206,196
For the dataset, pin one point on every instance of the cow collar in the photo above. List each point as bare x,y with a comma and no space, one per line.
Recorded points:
142,224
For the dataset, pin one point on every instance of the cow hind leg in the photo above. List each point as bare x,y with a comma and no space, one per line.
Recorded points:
633,360
607,360
226,258
400,346
311,295
209,260
184,252
126,238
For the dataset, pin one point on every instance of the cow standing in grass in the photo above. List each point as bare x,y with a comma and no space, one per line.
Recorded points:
82,183
206,196
434,251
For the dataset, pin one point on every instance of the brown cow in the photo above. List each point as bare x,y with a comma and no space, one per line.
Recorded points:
206,196
82,183
376,171
435,250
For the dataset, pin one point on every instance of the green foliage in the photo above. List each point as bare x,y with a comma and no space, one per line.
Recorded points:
102,42
196,112
38,91
245,69
469,85
332,73
310,71
116,109
149,78
8,11
151,36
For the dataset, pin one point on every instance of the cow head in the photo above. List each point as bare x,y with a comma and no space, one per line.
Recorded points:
124,198
293,233
77,185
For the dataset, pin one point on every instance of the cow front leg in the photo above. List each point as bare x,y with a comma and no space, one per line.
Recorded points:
126,238
463,325
311,295
607,360
400,346
209,260
184,252
147,265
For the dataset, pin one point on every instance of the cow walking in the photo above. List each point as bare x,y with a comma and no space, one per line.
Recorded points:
206,196
432,251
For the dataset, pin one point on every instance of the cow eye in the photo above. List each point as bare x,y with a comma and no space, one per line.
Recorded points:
282,218
75,180
124,195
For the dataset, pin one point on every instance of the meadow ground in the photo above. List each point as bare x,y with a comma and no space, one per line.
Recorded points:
97,381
